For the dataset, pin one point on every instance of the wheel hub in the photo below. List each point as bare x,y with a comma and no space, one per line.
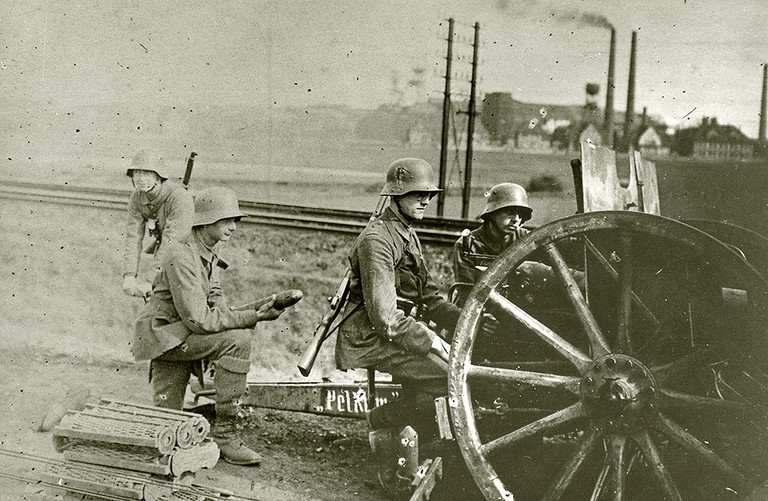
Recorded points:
619,393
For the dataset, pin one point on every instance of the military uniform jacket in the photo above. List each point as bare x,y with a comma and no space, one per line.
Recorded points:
173,209
479,241
186,299
386,264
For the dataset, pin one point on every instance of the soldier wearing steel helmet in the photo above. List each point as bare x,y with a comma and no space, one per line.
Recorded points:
392,299
506,210
186,320
158,205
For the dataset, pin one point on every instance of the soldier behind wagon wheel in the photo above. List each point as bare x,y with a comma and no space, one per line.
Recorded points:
163,208
506,210
186,320
392,299
531,285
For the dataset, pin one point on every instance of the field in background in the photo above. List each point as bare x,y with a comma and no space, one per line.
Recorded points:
350,177
60,295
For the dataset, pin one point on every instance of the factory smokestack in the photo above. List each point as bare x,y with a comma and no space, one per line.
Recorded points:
608,119
629,117
763,104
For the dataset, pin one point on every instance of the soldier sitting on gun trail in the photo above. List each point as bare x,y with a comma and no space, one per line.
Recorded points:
382,329
506,209
163,207
186,320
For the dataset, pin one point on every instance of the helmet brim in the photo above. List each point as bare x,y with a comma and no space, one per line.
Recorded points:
387,191
526,217
200,221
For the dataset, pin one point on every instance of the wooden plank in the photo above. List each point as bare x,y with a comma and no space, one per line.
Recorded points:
200,456
86,427
73,478
118,456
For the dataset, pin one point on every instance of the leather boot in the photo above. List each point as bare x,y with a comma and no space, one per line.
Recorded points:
384,446
231,447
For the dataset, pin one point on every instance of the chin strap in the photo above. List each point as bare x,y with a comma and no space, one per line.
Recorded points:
400,209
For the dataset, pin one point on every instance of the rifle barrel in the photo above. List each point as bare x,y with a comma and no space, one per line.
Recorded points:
188,171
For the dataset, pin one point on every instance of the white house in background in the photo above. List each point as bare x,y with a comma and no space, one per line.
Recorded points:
650,143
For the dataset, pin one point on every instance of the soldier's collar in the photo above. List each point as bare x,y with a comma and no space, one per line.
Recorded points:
209,255
404,228
489,238
162,195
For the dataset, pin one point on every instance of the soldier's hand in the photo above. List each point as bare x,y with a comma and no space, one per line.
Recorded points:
144,287
440,348
267,311
135,287
489,325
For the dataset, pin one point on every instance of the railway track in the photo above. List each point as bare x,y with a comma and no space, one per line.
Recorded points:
433,230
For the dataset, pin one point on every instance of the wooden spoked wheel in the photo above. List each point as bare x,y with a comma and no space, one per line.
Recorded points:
638,371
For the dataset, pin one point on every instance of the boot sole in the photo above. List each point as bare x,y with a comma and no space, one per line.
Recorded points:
242,463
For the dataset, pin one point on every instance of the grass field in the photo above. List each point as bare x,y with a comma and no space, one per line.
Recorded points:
350,176
61,287
60,295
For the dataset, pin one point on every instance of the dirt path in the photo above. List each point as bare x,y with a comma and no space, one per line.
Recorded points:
306,457
64,323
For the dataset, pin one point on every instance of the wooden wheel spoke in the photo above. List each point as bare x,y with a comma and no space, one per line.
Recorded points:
617,446
660,471
572,465
664,373
596,339
691,443
624,320
498,374
600,484
578,358
684,400
608,267
546,423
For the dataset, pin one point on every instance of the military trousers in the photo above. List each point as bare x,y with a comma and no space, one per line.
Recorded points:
422,380
229,351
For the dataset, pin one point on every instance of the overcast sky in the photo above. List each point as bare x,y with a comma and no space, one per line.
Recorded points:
695,57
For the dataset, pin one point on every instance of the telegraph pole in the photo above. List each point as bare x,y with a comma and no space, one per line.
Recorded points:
446,124
470,128
629,116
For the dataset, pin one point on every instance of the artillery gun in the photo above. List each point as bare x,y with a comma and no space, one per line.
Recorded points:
645,379
638,372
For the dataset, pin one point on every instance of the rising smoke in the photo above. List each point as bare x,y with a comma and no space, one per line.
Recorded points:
584,19
589,19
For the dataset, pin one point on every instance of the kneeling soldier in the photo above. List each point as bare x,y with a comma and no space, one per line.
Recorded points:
186,320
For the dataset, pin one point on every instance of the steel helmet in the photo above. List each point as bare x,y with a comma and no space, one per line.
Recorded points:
147,160
507,195
407,175
215,204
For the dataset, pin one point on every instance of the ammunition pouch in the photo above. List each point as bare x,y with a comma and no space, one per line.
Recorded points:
156,234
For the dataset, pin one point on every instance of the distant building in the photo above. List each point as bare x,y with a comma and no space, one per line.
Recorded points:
588,134
568,138
713,140
651,143
532,139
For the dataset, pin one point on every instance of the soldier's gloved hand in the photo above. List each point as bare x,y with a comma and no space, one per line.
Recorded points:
135,287
267,311
489,325
440,348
